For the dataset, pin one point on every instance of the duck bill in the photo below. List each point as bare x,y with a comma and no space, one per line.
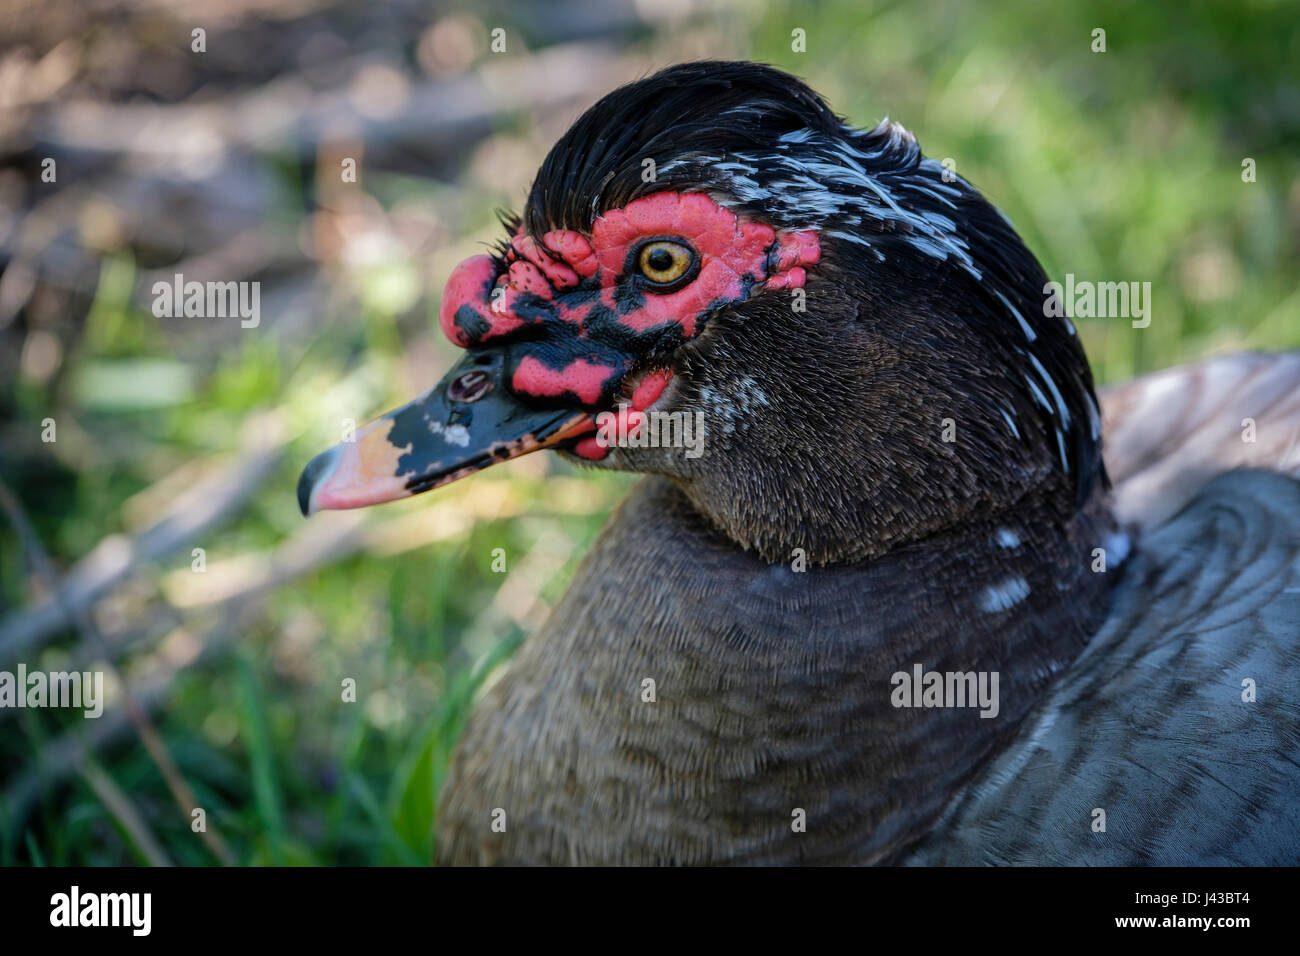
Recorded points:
467,422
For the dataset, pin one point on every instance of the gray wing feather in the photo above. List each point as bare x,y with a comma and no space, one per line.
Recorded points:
1170,432
1150,724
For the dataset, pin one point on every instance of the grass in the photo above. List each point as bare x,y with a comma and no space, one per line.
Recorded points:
1123,165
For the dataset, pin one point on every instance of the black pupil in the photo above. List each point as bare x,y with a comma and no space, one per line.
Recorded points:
660,260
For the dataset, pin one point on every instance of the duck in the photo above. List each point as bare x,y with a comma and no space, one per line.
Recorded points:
877,597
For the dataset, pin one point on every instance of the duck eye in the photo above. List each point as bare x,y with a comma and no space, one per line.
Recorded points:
666,263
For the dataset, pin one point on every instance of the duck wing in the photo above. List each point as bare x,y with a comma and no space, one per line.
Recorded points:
1168,433
1181,720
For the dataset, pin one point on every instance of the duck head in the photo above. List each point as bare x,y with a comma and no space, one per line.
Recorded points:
845,344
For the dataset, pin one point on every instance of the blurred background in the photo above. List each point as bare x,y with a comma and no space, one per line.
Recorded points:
179,440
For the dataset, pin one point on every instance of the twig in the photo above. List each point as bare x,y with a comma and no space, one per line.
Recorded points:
315,546
207,505
153,743
120,805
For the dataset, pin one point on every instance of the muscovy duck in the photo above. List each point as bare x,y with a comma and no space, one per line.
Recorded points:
900,480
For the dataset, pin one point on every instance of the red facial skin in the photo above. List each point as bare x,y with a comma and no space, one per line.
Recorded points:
591,319
580,377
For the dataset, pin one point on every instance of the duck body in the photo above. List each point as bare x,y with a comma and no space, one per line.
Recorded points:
760,673
892,608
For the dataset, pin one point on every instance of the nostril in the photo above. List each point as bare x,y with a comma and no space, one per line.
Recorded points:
469,386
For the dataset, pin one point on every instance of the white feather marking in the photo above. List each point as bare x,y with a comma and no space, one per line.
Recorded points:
1007,538
1056,394
1004,595
1024,326
1007,417
1117,545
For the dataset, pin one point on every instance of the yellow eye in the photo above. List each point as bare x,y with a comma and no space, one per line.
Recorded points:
665,262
